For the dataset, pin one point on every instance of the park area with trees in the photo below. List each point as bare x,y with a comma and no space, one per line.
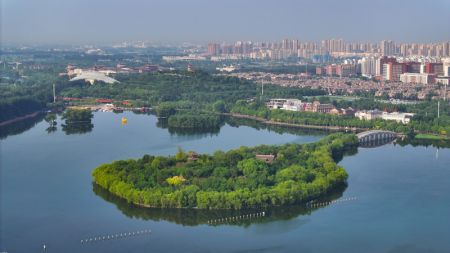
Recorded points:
247,177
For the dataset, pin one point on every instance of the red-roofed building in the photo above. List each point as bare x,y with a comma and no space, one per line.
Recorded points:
104,101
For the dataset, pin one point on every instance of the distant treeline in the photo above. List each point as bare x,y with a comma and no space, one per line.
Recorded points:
30,92
197,87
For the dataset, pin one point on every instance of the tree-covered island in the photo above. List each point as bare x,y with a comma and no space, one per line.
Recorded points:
247,177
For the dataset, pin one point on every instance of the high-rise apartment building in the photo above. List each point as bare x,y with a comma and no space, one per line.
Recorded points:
380,64
368,66
434,68
393,70
446,49
387,47
446,66
214,49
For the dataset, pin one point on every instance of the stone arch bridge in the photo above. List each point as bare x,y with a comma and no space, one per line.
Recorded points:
376,136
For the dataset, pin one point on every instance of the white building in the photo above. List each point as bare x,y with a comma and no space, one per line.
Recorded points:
424,78
293,105
94,76
400,117
368,115
404,118
191,57
230,68
446,66
276,103
378,67
368,66
285,104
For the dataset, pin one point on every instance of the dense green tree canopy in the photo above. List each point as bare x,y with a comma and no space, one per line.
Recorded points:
230,180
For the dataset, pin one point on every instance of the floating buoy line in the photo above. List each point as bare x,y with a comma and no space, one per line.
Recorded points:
101,238
313,204
237,218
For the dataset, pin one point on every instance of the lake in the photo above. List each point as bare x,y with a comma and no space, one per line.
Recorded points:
397,198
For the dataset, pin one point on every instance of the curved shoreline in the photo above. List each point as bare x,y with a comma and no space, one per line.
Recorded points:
278,123
287,181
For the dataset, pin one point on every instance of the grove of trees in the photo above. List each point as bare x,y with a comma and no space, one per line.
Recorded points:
235,179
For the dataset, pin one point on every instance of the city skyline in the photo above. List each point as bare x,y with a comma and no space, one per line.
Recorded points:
56,22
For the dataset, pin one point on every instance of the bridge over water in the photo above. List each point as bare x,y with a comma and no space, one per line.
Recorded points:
376,137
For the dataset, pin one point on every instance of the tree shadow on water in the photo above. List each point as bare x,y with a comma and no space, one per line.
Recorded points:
195,217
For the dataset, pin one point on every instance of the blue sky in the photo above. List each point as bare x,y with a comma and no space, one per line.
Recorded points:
104,21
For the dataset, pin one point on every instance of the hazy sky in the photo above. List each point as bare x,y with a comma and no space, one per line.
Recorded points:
103,21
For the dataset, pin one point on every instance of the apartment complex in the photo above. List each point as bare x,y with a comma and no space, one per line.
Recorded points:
299,106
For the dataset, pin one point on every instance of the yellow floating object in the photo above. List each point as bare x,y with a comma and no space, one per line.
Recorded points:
124,121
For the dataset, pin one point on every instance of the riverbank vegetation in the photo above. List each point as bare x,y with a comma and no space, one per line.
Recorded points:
431,137
171,92
422,122
237,179
14,107
24,92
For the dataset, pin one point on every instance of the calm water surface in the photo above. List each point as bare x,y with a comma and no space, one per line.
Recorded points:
402,205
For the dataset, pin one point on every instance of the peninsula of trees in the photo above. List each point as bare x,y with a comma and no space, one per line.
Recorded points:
246,177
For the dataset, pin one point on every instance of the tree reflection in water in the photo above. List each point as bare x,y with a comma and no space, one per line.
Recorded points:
163,123
51,129
194,217
77,128
20,126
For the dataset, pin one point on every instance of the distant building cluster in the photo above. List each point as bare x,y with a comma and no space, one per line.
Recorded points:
394,63
299,106
330,47
190,57
339,85
421,71
347,69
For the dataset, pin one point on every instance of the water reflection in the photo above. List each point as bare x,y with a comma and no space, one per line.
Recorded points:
163,123
422,142
194,217
237,122
77,128
20,126
51,129
376,143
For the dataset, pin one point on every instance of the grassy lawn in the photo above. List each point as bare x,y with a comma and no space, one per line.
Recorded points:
431,137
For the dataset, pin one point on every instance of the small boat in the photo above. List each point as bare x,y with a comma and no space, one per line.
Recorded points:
124,121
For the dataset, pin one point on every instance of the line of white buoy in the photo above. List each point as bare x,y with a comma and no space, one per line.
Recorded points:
115,236
320,204
236,218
